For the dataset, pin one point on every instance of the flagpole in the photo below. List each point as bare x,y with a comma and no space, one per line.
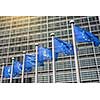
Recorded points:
75,52
53,59
11,75
23,67
2,73
71,67
36,66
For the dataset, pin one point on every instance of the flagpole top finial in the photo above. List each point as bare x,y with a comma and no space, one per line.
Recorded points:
36,44
12,58
72,22
24,52
52,34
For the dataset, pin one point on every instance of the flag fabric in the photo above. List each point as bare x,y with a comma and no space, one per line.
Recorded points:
17,68
84,36
44,54
29,62
6,71
61,46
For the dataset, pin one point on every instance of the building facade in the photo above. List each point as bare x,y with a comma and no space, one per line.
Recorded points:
20,33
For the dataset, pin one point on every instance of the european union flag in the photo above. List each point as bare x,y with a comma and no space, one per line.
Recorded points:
63,47
84,36
6,71
44,54
29,62
17,68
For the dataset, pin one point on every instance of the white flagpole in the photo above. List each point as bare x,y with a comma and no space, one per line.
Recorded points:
23,66
11,75
36,65
53,59
2,73
75,52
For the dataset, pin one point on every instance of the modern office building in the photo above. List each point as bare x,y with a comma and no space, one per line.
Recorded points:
20,33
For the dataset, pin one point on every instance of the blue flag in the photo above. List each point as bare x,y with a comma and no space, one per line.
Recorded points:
6,71
84,36
63,47
44,54
29,62
17,68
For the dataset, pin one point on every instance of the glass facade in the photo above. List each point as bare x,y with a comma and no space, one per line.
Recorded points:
20,33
